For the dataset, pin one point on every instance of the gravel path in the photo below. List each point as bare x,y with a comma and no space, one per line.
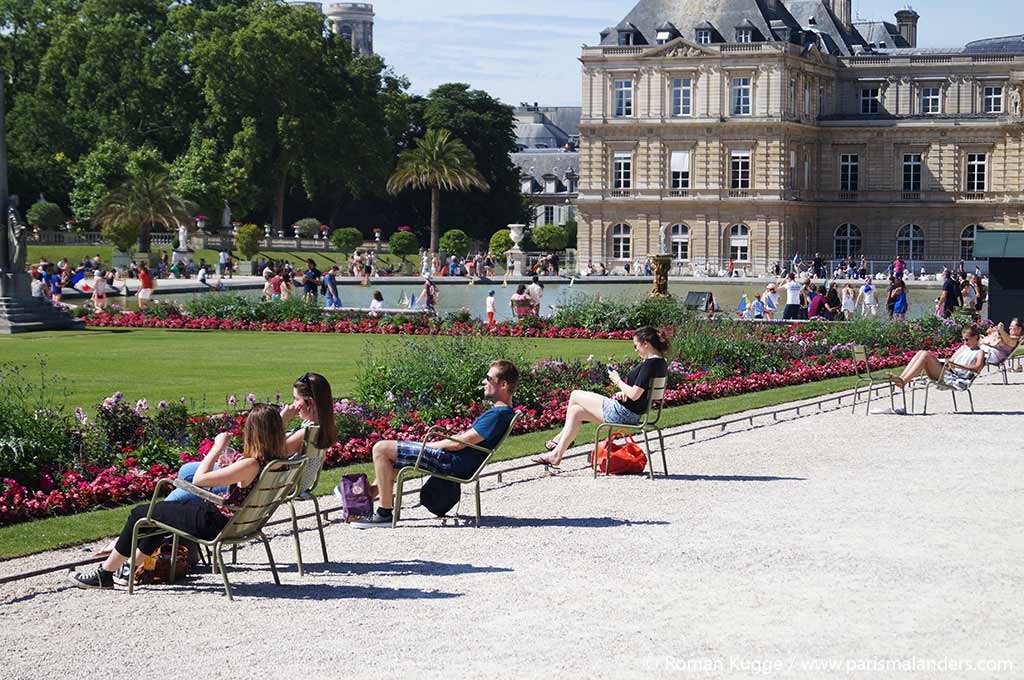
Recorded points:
888,546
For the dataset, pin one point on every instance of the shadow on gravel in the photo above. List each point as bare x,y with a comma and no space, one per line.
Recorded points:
313,591
394,568
502,522
730,478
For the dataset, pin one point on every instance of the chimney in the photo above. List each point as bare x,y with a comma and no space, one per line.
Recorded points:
842,10
906,20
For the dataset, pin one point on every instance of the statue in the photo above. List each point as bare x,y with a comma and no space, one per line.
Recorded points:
16,237
661,240
1015,101
183,237
225,217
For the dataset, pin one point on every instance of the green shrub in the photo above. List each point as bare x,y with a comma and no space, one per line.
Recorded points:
123,236
307,227
550,237
455,242
45,215
501,242
253,309
34,429
247,240
346,240
403,244
624,314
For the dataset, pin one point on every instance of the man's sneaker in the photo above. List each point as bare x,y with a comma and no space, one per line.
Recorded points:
123,576
377,519
92,580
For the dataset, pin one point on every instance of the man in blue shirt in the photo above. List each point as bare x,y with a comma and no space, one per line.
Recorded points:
331,288
310,280
450,456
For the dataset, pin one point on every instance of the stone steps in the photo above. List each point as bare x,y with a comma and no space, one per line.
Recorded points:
24,315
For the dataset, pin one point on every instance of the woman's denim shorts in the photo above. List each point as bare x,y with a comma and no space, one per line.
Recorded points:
614,412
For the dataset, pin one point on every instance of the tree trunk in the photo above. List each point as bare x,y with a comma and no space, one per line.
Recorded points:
435,218
144,240
279,192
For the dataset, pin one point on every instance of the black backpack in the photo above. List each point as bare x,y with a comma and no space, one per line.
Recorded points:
439,496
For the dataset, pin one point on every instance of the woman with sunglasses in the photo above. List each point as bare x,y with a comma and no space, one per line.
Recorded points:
967,360
313,403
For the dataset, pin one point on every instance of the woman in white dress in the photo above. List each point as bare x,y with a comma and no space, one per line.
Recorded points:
849,306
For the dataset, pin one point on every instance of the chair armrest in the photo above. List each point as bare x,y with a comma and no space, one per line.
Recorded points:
205,494
161,483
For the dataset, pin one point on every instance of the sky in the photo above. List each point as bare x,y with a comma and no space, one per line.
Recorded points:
528,50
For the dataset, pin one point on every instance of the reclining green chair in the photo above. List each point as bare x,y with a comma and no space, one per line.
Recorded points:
646,425
314,463
275,483
433,434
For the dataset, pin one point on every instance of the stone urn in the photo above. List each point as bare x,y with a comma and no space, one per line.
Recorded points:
518,233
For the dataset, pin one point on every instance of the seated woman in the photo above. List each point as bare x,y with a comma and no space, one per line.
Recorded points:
967,360
264,442
521,302
628,405
998,344
312,402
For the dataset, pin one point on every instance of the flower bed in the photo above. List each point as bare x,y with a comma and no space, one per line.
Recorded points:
128,432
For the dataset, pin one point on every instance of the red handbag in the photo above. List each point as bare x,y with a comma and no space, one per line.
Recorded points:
626,458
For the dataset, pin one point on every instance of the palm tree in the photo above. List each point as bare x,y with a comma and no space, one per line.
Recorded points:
147,199
438,162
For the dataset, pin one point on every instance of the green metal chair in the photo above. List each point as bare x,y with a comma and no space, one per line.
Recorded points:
433,434
941,385
646,425
314,464
275,483
866,376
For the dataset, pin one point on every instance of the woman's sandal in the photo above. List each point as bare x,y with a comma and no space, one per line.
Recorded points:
551,444
541,460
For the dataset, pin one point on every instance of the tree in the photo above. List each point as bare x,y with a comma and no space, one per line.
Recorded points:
45,215
438,162
247,240
455,242
147,199
307,227
501,242
403,244
346,240
122,235
550,237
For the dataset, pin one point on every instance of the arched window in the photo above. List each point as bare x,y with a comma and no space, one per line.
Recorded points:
910,242
346,33
680,242
739,243
967,241
847,241
622,241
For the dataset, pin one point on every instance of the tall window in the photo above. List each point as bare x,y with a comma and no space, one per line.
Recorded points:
680,170
967,241
910,242
847,242
911,172
549,214
682,96
623,98
741,96
931,101
792,96
622,240
622,171
992,100
739,243
680,242
869,100
977,166
739,171
703,36
744,35
849,172
821,101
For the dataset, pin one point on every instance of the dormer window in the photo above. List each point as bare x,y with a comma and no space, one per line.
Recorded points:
666,32
625,38
744,35
703,36
663,37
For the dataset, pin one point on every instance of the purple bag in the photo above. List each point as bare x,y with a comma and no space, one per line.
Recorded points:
355,497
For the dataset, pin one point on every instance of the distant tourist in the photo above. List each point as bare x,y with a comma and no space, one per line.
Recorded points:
867,299
522,303
536,291
948,297
428,296
999,344
222,261
899,301
99,290
145,286
489,306
794,296
849,303
332,298
376,304
310,280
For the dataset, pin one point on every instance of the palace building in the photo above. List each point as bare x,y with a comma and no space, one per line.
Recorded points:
748,130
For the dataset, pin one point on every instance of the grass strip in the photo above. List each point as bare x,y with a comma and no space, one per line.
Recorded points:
58,532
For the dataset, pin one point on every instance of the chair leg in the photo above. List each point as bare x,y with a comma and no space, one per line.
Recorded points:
397,512
956,409
218,557
925,411
650,458
871,392
270,558
234,554
295,533
856,391
971,400
320,528
477,489
1006,380
664,460
173,571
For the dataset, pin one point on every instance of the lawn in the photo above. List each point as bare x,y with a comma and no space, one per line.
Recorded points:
56,532
206,366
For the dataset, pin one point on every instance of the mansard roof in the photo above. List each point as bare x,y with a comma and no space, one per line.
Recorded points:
541,163
881,34
1010,44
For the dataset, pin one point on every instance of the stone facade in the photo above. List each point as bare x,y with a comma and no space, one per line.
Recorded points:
761,149
353,21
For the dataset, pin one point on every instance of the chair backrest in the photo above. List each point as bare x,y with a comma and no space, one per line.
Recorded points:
860,360
275,483
487,459
657,390
314,458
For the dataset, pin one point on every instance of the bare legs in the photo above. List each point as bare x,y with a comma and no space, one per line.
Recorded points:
923,362
584,407
385,453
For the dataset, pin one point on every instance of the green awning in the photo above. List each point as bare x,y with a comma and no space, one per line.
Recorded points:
999,244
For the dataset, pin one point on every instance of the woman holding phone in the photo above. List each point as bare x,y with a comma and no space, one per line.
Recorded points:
626,407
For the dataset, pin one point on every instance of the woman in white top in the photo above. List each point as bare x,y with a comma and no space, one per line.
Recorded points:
849,306
377,303
966,362
970,295
99,290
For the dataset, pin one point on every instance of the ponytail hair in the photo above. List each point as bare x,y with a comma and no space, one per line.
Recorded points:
654,337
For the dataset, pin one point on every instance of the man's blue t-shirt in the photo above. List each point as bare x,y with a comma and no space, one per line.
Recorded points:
311,276
951,294
330,285
491,425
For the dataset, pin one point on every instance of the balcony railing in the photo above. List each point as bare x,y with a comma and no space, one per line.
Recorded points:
620,193
737,193
848,195
678,193
911,195
972,196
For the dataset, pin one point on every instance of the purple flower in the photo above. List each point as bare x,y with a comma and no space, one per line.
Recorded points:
251,398
163,406
390,396
141,405
232,400
80,414
117,397
277,397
